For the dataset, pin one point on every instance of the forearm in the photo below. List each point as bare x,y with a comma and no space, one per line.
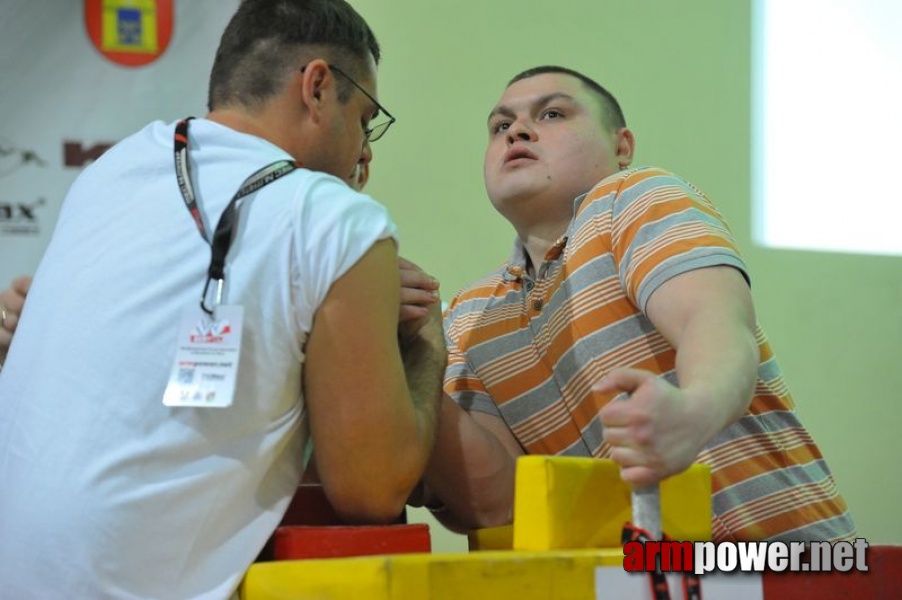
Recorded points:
424,366
471,471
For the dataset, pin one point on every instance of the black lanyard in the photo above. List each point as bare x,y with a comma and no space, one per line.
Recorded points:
225,228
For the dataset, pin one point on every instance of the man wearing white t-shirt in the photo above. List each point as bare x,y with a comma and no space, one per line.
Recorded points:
122,474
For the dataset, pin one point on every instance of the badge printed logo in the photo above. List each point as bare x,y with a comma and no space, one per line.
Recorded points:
209,331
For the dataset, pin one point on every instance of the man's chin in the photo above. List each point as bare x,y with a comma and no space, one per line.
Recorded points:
511,201
514,186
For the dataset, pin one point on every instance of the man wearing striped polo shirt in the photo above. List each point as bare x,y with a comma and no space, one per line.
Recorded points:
622,281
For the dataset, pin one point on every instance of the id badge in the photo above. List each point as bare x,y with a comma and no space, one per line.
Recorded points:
206,358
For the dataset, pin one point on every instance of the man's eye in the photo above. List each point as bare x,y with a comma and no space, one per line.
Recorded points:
501,127
552,113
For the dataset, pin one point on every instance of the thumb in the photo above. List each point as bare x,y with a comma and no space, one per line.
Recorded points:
623,380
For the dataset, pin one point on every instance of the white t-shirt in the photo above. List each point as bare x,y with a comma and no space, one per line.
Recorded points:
104,491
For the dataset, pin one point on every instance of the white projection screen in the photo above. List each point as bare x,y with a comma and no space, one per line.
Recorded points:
827,125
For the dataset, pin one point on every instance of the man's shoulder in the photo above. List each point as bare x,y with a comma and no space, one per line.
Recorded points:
623,189
631,179
475,296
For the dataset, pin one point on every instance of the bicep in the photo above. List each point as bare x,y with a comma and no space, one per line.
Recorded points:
719,292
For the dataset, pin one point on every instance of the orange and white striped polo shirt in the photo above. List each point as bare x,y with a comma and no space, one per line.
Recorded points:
528,350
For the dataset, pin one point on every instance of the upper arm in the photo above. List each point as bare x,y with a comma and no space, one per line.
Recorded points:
719,292
464,388
360,410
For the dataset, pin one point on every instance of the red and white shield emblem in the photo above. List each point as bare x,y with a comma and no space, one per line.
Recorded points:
129,32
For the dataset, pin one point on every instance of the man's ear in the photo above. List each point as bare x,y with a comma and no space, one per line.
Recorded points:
315,80
626,147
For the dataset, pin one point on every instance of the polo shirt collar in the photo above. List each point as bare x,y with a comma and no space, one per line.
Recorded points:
516,264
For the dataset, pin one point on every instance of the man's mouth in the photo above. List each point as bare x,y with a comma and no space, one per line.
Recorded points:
518,154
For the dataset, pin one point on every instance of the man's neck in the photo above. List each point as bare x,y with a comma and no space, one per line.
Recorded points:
239,121
539,221
539,239
254,124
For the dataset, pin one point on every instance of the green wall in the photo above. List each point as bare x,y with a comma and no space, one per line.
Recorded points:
682,71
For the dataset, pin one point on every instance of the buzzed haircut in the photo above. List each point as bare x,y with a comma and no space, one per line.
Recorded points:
266,39
609,105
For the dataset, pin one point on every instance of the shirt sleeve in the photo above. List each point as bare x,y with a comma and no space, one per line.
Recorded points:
662,226
337,226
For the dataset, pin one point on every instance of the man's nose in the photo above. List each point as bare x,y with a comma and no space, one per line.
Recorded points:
520,131
366,154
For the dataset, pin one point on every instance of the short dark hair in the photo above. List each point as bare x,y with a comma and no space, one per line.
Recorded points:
609,105
266,39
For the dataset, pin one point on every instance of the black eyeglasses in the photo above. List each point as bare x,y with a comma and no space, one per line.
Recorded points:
377,131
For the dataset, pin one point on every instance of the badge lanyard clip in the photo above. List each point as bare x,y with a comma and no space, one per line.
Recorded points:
217,298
